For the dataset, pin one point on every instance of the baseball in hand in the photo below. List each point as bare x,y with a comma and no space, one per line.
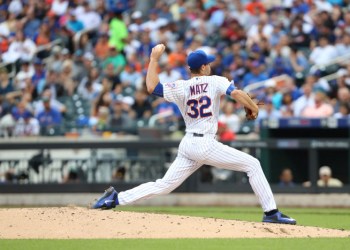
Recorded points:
159,47
157,51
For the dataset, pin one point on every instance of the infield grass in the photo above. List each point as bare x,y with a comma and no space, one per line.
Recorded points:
181,244
330,218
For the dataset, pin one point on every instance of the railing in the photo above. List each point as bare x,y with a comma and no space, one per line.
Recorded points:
145,160
41,48
278,80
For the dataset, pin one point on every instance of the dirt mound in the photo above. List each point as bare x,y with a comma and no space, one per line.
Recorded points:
83,223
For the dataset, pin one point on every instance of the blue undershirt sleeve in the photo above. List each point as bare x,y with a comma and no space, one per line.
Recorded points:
230,89
158,90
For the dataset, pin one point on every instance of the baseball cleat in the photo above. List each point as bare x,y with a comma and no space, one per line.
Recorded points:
108,200
280,218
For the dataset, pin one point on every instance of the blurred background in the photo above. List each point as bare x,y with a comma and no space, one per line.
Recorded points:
75,115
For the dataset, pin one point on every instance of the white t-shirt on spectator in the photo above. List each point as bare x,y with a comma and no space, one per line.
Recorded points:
172,77
301,103
233,121
15,7
342,49
134,27
59,7
132,47
91,20
4,29
31,128
323,55
20,50
39,106
154,25
254,31
324,6
23,75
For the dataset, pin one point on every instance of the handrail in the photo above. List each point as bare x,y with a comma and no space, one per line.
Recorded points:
261,84
154,118
39,49
48,46
339,59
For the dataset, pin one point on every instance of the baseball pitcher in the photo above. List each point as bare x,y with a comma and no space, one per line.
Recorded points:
199,100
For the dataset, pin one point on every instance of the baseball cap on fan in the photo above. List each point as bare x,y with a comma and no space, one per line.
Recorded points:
198,58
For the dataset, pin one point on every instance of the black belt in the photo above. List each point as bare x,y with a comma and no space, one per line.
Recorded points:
198,135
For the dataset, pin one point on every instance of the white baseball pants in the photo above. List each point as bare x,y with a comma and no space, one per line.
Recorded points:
195,152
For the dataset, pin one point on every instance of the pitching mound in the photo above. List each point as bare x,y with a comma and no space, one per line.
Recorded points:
77,222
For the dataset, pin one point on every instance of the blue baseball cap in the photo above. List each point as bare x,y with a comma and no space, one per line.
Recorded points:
198,58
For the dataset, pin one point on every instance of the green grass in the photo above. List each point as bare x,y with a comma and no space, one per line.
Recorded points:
330,218
319,217
181,244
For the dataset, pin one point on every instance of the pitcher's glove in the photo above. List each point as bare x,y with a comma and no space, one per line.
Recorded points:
248,113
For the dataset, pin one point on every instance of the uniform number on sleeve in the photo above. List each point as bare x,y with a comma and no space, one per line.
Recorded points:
199,107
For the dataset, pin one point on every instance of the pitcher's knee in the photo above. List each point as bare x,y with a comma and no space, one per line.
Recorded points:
254,165
164,186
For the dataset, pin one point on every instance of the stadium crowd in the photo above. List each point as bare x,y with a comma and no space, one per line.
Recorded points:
82,63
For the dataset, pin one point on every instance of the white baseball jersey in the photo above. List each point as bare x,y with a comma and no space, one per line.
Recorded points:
199,100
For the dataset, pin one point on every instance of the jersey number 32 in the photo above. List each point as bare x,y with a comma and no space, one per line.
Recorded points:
199,107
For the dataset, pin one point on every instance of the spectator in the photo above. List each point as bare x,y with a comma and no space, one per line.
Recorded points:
169,74
26,126
6,85
15,7
142,106
122,117
38,79
111,75
255,7
73,25
119,174
136,25
118,31
102,47
299,38
84,44
230,118
72,176
26,72
343,112
90,86
320,108
343,47
59,7
323,53
268,111
90,19
326,180
101,122
343,96
49,119
256,74
21,48
154,22
300,65
306,100
287,107
280,67
66,77
41,105
131,78
224,133
31,23
116,59
286,178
